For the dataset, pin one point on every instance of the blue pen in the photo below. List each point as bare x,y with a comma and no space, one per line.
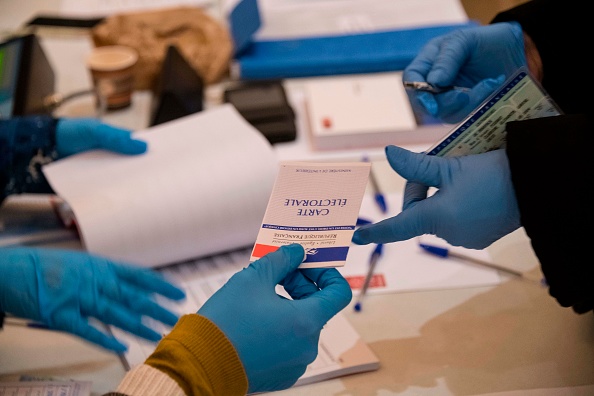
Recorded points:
444,252
380,199
377,252
361,221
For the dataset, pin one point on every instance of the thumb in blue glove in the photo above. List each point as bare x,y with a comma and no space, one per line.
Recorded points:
75,135
63,289
276,337
478,58
474,206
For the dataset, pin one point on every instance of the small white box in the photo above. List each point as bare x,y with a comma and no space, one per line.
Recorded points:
363,111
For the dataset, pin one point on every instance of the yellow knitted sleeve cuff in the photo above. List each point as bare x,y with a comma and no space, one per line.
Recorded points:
200,358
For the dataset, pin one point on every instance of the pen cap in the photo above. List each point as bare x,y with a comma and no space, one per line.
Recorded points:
378,249
438,251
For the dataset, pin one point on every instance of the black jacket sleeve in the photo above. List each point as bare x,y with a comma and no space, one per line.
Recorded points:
26,144
550,158
561,32
551,167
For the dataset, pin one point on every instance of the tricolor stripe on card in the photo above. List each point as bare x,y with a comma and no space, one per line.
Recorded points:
315,255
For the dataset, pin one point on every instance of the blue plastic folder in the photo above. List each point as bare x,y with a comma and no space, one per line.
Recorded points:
379,51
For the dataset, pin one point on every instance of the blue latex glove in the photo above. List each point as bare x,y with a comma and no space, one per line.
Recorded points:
275,337
63,289
474,206
479,58
75,135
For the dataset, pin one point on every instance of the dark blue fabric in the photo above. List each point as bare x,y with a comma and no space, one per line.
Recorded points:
26,143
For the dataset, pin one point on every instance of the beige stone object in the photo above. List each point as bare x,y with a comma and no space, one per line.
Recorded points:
203,41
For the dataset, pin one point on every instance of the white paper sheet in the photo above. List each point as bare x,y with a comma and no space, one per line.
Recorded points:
202,188
285,18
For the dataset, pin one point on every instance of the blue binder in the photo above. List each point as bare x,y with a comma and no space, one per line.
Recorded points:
373,52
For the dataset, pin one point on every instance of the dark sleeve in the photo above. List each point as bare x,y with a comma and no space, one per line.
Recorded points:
26,143
551,165
561,32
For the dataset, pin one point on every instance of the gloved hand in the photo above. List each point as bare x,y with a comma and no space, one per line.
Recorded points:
75,135
275,337
474,206
63,289
479,58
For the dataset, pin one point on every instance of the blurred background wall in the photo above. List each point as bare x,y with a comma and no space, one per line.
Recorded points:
484,10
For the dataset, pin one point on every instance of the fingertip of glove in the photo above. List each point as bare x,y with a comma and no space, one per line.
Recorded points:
428,102
296,251
396,156
486,87
516,28
115,346
391,150
360,237
177,293
170,319
137,146
495,82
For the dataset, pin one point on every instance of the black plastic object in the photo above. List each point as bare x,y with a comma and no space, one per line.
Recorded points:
26,77
178,90
58,21
264,104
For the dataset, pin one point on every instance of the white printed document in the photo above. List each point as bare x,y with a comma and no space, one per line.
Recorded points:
315,205
45,388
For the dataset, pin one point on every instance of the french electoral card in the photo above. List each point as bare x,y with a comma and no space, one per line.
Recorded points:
519,98
315,205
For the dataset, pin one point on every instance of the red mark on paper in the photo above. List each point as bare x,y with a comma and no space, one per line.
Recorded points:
356,282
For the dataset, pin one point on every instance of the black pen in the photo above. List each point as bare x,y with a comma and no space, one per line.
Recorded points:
377,252
11,321
427,87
